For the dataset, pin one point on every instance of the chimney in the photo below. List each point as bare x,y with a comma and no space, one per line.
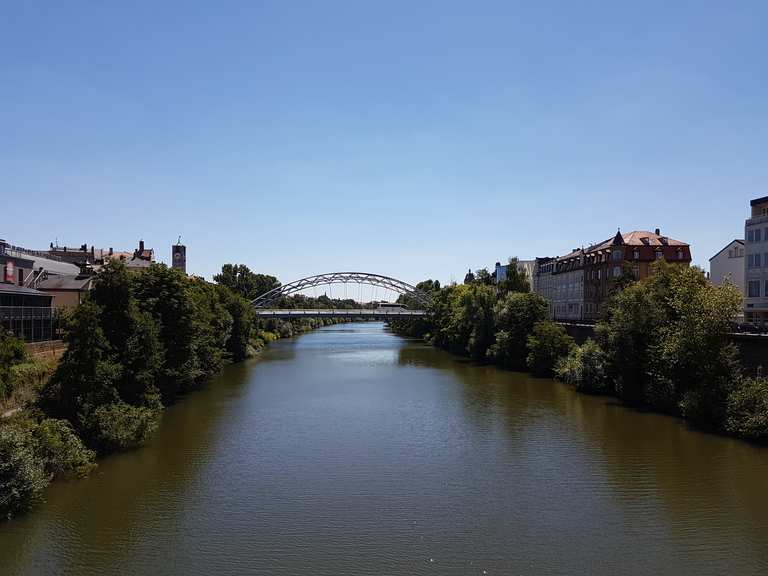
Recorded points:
141,245
658,232
110,251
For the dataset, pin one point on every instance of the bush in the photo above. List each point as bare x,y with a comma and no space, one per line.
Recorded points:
120,426
584,368
546,346
12,353
61,450
747,414
22,472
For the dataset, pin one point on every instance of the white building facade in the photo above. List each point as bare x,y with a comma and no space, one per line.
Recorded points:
728,265
756,263
568,287
544,282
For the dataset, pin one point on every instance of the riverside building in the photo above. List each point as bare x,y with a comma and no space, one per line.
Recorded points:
756,262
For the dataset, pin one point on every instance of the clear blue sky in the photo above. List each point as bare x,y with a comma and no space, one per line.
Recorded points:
414,139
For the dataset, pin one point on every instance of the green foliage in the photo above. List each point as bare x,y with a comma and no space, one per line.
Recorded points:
747,411
212,327
12,353
584,368
547,345
22,473
87,375
464,322
120,426
61,449
515,315
666,340
517,279
482,276
162,293
240,279
241,312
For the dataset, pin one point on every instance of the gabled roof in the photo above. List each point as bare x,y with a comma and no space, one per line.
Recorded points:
634,238
731,243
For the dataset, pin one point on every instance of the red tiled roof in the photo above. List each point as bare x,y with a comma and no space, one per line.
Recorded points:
635,237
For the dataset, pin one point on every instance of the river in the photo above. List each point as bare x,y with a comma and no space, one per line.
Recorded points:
351,451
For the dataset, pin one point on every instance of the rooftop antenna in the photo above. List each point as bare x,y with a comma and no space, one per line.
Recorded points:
178,242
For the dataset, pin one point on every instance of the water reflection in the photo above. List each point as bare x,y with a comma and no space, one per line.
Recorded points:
351,451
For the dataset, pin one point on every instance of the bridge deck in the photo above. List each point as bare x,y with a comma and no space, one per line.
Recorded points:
377,313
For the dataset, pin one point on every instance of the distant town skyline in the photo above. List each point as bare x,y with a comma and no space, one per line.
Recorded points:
411,140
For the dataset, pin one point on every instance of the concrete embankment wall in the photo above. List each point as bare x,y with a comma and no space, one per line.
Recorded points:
753,347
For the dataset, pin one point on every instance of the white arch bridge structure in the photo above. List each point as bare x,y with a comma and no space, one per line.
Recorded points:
267,304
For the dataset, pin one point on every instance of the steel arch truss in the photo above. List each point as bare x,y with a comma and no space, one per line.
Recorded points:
269,298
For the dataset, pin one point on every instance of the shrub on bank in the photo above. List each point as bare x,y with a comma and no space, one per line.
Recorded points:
22,473
548,343
584,369
747,412
121,426
31,455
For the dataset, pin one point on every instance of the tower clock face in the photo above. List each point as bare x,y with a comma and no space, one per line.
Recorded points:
177,256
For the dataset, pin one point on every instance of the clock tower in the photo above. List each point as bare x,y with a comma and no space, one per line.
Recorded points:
179,256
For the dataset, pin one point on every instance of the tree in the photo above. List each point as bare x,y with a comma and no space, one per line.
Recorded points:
482,276
238,343
468,326
515,316
86,376
162,293
666,341
584,369
547,345
131,333
240,279
516,280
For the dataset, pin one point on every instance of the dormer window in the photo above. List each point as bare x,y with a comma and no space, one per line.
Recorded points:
645,240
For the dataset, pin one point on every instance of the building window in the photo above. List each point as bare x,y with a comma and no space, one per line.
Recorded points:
750,235
616,271
758,235
758,264
659,255
616,255
679,253
753,289
636,254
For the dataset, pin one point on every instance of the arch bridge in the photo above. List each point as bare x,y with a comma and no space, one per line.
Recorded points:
266,304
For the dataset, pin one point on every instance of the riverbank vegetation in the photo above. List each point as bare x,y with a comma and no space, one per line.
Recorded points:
662,343
137,343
